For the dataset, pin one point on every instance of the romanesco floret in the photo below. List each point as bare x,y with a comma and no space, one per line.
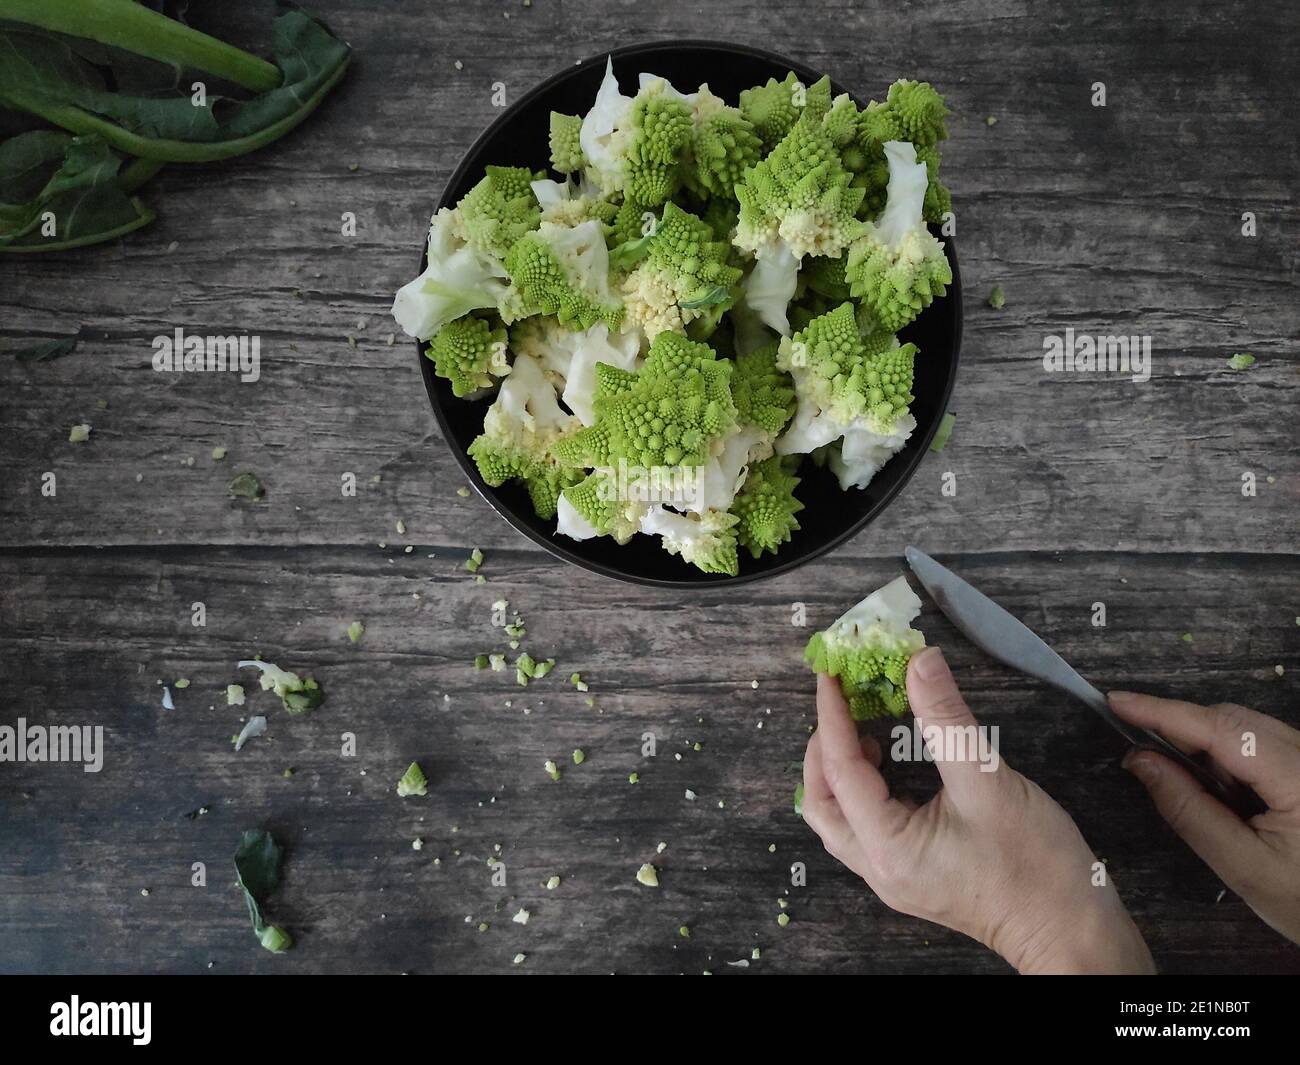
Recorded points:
723,148
868,648
897,268
564,271
913,112
594,507
799,195
707,541
829,358
569,203
566,143
771,108
888,388
570,358
520,431
470,353
660,130
499,210
458,278
763,394
684,275
664,415
765,508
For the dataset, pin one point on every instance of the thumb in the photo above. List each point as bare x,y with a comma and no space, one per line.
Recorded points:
1224,842
946,724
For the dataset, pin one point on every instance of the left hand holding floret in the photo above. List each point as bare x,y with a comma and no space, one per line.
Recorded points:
991,855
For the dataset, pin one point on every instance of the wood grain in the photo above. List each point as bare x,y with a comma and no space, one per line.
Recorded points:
1072,489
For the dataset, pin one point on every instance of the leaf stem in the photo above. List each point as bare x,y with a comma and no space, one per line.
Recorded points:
136,28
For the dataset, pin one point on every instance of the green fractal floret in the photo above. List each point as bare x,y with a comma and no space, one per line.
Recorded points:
868,649
666,414
566,148
763,394
889,388
661,131
685,273
469,353
832,354
499,209
913,111
770,108
766,506
799,194
724,147
557,271
595,498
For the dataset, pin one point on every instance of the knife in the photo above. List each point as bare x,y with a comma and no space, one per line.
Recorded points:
999,635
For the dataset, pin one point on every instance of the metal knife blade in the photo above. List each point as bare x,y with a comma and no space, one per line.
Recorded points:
1011,642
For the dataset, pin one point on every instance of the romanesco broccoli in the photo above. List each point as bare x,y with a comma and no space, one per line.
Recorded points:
765,508
469,353
499,210
566,143
564,271
868,649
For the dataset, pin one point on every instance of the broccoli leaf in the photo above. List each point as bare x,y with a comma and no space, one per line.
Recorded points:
46,350
257,863
42,73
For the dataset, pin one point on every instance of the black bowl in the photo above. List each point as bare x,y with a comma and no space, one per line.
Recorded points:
830,516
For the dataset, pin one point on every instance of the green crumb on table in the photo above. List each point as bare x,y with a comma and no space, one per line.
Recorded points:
576,680
632,778
234,695
684,932
218,453
579,756
771,848
79,434
943,432
182,684
102,404
519,959
782,903
525,668
482,926
697,747
1241,361
552,883
246,486
474,561
552,770
591,702
992,120
497,662
755,954
288,773
480,661
356,630
463,492
997,298
798,800
783,919
1186,637
401,527
647,875
480,579
543,668
1280,670
413,781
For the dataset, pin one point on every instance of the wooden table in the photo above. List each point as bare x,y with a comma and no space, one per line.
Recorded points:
1073,489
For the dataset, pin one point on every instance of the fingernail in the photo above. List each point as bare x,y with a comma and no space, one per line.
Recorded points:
1146,769
930,664
1120,697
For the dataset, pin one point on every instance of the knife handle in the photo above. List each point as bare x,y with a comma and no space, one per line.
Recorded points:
1238,797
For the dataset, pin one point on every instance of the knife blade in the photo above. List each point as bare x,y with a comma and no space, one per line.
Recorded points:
1001,636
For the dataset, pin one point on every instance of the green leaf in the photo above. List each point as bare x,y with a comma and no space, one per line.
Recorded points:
46,350
83,195
257,864
42,73
706,298
626,256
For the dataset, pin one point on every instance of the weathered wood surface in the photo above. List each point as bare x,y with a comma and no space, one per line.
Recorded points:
1072,489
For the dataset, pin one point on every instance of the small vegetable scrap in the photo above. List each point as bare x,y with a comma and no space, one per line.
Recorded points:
943,432
79,434
647,875
997,298
1241,361
413,781
246,486
673,305
356,630
297,694
257,864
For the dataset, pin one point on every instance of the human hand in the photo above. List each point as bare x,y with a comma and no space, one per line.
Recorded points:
1259,859
991,855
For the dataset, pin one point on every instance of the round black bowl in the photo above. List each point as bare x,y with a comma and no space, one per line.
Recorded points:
519,137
